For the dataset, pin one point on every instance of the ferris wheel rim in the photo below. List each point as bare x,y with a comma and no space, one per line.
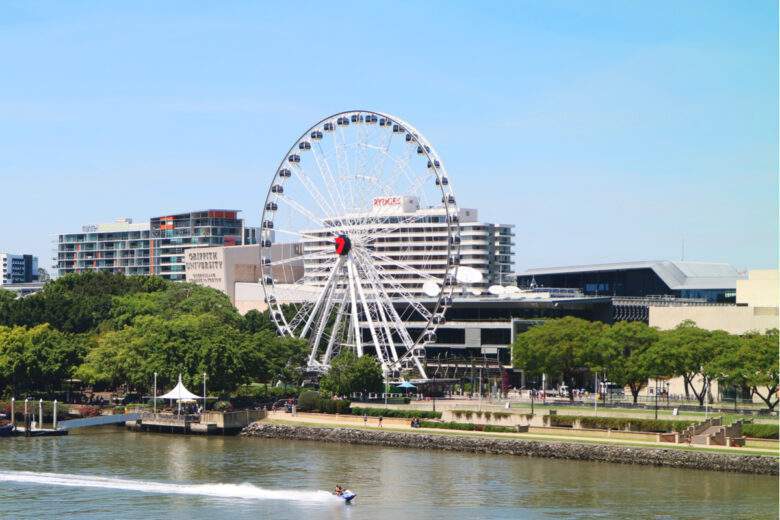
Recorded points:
449,203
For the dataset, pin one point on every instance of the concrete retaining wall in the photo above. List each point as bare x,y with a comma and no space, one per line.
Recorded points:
553,450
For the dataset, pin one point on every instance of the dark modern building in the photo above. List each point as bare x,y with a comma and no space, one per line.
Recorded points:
710,282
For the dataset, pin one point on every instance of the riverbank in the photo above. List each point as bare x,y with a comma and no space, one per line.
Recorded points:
555,450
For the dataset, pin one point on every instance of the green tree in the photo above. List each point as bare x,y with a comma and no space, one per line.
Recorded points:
256,321
560,347
688,351
39,358
620,351
753,363
349,373
188,345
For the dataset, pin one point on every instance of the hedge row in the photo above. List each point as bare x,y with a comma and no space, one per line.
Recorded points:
468,414
620,423
310,401
761,431
389,412
467,427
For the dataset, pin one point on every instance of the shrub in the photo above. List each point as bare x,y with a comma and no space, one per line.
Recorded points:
499,429
223,406
340,406
501,415
561,421
389,412
119,410
761,431
467,427
308,400
620,423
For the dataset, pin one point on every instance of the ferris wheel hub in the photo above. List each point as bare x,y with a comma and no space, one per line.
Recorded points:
343,245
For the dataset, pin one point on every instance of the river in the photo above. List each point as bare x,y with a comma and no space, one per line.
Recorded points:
112,473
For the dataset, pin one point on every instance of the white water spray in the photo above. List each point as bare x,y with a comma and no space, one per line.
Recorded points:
246,491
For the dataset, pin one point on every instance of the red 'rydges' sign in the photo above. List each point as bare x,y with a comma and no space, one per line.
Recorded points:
387,201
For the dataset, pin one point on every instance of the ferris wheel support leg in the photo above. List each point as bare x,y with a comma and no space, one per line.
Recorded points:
335,331
369,319
420,367
323,321
353,301
321,297
389,335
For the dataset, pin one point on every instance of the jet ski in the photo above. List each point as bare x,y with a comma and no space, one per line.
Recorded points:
348,496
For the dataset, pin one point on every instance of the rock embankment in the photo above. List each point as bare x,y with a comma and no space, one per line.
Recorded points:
553,450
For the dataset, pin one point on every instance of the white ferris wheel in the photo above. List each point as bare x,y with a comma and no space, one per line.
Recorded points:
360,241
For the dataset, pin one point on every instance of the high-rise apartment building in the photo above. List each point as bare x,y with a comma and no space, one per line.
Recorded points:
117,247
171,235
419,241
18,268
149,248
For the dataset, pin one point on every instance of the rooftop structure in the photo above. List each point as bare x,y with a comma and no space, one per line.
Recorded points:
712,282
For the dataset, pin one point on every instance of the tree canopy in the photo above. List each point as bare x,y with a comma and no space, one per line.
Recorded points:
351,374
110,330
630,353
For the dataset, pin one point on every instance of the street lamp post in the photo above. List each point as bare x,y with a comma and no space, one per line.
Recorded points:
655,392
204,391
155,394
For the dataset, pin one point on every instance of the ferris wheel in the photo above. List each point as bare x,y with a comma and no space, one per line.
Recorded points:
360,241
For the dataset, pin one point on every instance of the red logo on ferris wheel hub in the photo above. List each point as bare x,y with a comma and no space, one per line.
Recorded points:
343,245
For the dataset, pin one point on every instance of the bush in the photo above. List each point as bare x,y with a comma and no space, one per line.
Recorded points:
119,410
340,406
761,431
467,427
620,423
389,412
307,401
562,421
223,406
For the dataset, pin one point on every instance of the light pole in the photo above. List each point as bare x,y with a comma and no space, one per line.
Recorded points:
13,412
204,391
155,393
655,392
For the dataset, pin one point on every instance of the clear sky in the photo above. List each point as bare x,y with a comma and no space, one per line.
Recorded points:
605,131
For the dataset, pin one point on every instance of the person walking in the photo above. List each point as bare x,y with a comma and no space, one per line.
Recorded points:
365,419
380,421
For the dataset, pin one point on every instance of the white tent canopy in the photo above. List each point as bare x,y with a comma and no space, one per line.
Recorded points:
180,393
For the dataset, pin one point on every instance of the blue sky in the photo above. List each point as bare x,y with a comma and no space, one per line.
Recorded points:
605,131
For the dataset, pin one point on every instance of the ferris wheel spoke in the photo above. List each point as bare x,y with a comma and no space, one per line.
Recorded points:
369,318
384,281
325,290
327,175
314,192
302,210
309,256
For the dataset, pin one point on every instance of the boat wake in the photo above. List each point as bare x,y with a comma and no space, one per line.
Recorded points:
245,491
